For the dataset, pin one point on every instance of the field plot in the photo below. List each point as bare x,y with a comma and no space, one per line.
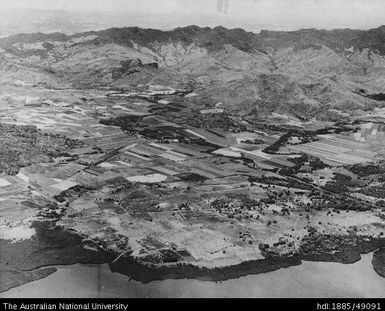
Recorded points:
162,158
207,136
336,150
12,186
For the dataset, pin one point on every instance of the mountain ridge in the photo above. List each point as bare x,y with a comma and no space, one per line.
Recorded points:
361,38
309,68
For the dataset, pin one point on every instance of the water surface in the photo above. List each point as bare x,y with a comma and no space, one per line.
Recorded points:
311,279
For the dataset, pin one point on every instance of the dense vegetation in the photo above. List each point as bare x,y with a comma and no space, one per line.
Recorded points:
25,145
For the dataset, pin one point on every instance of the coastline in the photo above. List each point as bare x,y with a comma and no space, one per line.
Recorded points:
56,246
310,279
378,261
146,273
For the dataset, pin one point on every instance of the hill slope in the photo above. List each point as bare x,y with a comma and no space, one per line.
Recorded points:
312,69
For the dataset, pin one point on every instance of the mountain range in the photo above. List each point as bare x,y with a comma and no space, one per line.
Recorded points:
309,73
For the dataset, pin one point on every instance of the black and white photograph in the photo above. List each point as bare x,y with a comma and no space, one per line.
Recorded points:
192,149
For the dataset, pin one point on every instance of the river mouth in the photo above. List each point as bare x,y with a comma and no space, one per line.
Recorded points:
310,279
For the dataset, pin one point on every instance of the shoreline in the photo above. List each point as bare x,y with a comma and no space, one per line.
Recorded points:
56,246
145,273
378,261
311,279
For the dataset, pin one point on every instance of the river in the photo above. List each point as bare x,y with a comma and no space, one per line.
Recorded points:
311,279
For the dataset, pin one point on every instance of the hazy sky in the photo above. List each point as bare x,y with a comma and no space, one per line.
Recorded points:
274,14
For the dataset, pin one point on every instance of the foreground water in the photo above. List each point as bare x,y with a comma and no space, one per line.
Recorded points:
311,279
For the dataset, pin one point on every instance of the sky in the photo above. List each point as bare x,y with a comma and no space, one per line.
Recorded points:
250,14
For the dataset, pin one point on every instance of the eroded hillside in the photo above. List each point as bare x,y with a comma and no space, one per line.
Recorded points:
318,70
193,152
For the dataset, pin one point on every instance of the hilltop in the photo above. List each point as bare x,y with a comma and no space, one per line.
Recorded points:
194,152
317,70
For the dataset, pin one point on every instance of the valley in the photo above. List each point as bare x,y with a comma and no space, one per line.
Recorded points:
190,153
